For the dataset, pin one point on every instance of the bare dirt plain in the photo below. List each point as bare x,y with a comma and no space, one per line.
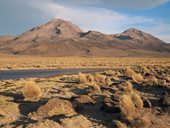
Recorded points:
134,94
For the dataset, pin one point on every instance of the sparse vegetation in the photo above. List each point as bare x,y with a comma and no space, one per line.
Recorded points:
31,91
34,62
99,100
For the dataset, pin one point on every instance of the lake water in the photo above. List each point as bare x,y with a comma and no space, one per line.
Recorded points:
17,74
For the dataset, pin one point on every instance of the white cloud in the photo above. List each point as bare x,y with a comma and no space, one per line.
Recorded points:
142,4
100,19
165,37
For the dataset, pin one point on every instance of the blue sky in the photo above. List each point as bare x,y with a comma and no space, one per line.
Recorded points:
107,16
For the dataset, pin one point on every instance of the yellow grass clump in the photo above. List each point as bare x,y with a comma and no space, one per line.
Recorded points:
90,78
127,107
110,72
82,78
31,91
115,78
85,78
129,72
152,80
146,70
99,78
127,87
96,88
120,124
138,102
138,78
141,122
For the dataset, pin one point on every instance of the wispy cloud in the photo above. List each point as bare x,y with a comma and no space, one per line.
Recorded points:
101,19
142,4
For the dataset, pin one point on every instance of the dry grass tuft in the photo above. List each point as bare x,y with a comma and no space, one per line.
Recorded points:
127,87
120,124
115,78
138,102
95,88
138,78
146,70
127,107
99,78
110,72
90,78
82,78
142,122
85,78
31,91
152,80
129,72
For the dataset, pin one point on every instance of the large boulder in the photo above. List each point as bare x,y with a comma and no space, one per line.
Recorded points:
55,107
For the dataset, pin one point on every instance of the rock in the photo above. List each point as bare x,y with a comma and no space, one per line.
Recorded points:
110,106
45,124
9,112
146,103
165,101
55,107
79,107
84,99
76,122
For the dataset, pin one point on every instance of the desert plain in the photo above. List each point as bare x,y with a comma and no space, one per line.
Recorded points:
132,93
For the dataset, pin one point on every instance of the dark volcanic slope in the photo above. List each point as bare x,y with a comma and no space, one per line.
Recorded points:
62,38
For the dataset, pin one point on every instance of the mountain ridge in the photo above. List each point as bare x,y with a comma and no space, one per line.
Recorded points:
62,38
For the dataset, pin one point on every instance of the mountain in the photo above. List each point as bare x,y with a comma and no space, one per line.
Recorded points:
6,38
143,40
62,38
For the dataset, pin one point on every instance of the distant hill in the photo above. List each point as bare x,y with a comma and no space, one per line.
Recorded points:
62,38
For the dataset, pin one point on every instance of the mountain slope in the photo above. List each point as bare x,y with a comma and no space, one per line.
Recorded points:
62,38
142,40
